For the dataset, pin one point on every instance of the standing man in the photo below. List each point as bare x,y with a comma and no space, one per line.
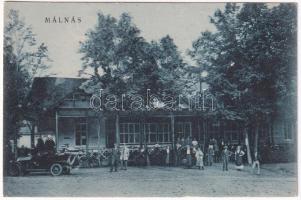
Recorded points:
167,158
216,150
40,147
178,149
256,163
114,158
188,156
210,154
124,156
225,156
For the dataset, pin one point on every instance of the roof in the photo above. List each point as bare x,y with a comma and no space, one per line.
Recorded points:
49,91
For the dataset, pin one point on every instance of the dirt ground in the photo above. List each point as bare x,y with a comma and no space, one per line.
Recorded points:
275,180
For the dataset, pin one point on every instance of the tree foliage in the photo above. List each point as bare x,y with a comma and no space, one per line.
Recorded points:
24,59
251,59
124,62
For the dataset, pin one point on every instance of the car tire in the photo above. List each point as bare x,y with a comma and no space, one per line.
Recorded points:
14,169
56,169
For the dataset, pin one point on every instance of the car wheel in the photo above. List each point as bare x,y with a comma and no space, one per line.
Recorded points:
14,169
56,169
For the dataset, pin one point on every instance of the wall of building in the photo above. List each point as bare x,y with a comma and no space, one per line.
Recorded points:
96,134
67,133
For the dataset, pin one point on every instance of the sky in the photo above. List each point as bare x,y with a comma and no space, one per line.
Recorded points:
184,22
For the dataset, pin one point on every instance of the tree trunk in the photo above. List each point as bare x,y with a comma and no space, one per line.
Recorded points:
117,134
256,138
145,140
204,135
271,134
15,146
248,146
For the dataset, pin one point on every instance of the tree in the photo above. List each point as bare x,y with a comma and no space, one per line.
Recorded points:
23,60
125,63
250,61
171,67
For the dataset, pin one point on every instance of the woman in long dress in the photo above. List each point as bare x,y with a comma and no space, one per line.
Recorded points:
199,155
124,156
238,158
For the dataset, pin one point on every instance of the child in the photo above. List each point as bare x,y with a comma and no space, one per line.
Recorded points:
199,158
225,156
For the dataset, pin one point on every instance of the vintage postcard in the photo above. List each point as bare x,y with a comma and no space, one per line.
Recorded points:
157,99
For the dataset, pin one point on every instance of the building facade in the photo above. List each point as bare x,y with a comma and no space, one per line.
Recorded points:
67,116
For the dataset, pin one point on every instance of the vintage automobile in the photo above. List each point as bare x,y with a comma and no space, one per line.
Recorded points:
56,164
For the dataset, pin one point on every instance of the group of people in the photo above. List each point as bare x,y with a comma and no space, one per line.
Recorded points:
215,153
45,147
119,155
193,152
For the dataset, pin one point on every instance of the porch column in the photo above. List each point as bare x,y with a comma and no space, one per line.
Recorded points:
87,135
117,133
199,128
204,133
172,117
56,130
32,138
141,130
100,122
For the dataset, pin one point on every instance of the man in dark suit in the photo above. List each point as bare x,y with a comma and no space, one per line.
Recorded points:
50,145
114,159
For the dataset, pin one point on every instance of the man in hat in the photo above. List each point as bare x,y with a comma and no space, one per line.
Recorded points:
114,158
188,156
50,145
210,154
225,157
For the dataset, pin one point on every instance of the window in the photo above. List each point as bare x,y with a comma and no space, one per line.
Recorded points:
288,130
234,136
183,129
150,132
77,96
163,132
157,132
213,129
129,133
81,131
232,132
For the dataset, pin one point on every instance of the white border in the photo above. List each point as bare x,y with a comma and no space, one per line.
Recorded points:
129,1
